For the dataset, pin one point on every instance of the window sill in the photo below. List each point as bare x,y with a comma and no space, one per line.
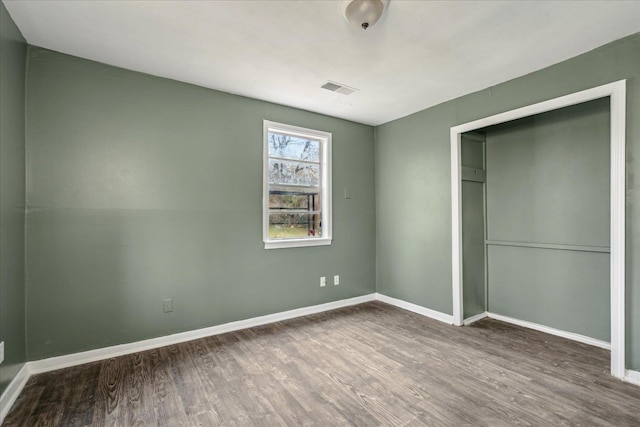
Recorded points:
296,243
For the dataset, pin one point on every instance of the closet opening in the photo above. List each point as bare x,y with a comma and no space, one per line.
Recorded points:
538,218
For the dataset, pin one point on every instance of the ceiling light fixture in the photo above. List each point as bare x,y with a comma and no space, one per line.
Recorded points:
363,13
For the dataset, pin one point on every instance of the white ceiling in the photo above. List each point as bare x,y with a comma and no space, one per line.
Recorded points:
419,54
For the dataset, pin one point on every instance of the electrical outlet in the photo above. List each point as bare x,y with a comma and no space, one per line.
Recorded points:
1,351
347,193
323,282
167,305
336,280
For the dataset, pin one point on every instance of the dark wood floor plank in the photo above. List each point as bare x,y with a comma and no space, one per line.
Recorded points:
367,365
110,392
25,406
137,394
78,408
168,408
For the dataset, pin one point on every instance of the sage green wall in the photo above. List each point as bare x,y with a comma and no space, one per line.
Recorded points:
141,188
413,188
13,50
548,183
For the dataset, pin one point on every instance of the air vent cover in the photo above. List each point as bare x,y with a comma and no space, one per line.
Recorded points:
337,87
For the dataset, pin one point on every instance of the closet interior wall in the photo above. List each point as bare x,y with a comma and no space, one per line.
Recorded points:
548,219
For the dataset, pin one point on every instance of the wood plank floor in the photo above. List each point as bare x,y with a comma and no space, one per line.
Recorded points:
371,364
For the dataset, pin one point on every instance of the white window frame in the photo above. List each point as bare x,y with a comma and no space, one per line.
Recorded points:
325,184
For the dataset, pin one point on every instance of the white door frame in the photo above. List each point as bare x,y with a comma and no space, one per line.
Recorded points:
616,91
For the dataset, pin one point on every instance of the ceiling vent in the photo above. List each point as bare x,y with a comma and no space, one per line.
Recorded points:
337,87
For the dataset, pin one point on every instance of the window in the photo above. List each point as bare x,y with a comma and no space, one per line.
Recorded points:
297,187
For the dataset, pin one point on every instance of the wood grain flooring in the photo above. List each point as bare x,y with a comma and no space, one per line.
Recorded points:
366,365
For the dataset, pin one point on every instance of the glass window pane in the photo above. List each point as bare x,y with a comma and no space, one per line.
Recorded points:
294,225
285,172
288,200
292,147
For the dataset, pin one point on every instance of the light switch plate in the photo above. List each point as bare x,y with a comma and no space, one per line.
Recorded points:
1,351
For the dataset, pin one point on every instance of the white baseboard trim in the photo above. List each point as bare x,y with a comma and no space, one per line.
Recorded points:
553,331
59,362
437,315
13,390
632,377
472,319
